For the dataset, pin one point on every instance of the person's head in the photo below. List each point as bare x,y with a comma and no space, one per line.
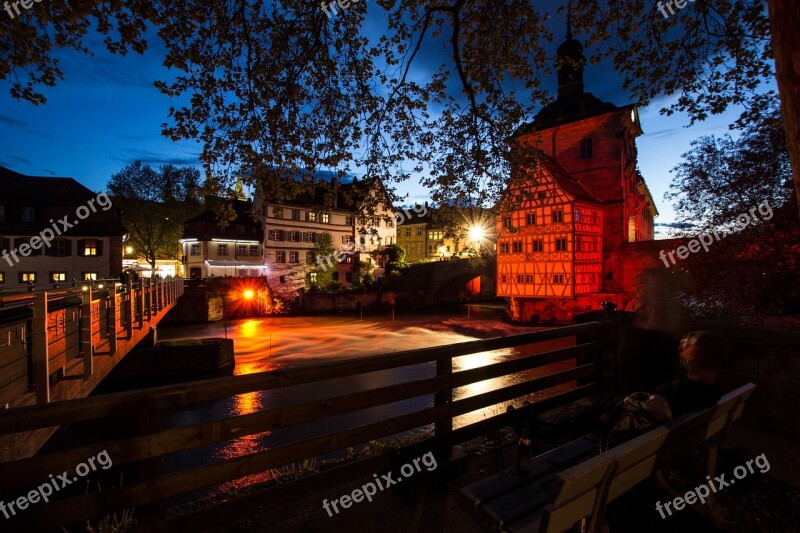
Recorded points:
701,356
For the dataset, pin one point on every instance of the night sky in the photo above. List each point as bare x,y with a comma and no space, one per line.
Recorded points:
106,114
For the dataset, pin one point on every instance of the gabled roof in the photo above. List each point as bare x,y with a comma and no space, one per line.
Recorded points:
567,181
16,188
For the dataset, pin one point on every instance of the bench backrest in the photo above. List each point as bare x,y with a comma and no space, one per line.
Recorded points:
574,491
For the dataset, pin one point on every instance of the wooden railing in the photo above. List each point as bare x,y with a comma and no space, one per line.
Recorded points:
49,336
147,487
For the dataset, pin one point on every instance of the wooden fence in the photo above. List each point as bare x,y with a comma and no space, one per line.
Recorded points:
595,353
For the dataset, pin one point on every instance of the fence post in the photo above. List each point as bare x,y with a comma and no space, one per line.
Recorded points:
139,295
444,428
86,332
130,302
111,318
41,352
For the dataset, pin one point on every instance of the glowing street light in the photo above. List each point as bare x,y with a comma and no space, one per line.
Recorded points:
476,233
248,294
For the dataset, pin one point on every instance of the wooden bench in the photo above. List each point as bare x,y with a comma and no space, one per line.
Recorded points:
571,482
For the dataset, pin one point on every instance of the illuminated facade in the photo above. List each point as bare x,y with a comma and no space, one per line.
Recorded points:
561,236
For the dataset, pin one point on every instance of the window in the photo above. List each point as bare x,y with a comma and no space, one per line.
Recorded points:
519,278
283,279
504,248
277,212
195,249
508,222
280,257
89,276
272,234
254,250
419,231
294,236
389,240
528,278
408,232
222,229
389,224
538,246
90,247
558,278
586,148
348,220
28,214
558,216
430,249
517,247
56,277
27,277
295,214
222,249
348,259
312,237
241,249
311,216
530,219
435,235
541,195
577,215
326,218
2,277
345,239
448,250
59,248
561,244
502,278
294,257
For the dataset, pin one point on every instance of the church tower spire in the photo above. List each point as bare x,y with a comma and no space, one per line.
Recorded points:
569,63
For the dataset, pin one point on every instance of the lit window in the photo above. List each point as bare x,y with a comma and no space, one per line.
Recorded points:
325,218
311,216
27,277
2,277
280,257
312,276
89,247
222,249
55,277
558,216
561,245
89,276
195,249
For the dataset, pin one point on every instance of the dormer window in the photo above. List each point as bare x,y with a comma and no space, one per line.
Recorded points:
586,148
28,214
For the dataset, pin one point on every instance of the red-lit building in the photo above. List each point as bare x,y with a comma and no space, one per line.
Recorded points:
562,235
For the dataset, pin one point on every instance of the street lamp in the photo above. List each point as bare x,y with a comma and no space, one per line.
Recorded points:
441,251
476,234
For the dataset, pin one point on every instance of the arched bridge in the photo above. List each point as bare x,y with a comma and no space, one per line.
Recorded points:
457,279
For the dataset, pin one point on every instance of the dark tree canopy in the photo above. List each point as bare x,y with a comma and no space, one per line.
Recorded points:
155,205
277,90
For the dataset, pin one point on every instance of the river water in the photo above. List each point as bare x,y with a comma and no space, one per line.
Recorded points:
263,344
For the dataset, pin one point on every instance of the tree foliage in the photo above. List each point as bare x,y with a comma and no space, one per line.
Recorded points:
155,205
275,90
321,261
753,269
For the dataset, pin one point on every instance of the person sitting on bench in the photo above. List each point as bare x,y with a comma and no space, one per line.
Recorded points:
701,358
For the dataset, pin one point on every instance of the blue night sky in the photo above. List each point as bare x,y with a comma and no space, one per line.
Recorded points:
106,114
